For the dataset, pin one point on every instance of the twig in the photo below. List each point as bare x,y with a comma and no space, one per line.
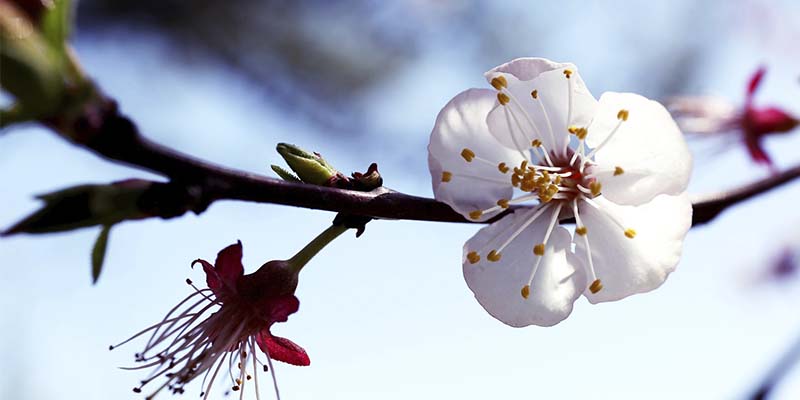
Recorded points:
102,129
778,372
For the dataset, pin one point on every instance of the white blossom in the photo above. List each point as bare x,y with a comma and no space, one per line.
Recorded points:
618,166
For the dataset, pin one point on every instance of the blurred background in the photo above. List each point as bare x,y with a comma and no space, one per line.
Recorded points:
388,315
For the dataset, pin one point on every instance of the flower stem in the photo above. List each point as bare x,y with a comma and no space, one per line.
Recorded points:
312,248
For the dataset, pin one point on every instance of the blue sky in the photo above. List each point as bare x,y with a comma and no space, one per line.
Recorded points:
388,315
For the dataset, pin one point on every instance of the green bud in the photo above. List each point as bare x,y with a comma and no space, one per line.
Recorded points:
309,167
284,174
85,205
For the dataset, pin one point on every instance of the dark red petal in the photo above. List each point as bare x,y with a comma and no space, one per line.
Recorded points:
755,81
282,349
766,120
280,308
228,265
756,151
212,280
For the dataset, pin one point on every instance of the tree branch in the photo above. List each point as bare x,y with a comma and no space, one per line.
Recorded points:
101,128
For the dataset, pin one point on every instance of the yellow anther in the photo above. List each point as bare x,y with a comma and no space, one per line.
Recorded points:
557,181
618,171
596,286
467,154
567,73
527,186
503,98
526,291
522,167
581,231
595,187
622,115
499,82
539,249
581,133
572,129
493,256
502,203
630,233
447,176
238,381
502,167
473,257
476,214
552,189
536,143
535,94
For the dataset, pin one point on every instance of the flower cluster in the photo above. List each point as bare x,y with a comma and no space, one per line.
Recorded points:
617,167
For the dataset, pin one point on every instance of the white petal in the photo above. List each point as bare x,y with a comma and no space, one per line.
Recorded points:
648,147
543,118
497,286
474,185
628,266
525,68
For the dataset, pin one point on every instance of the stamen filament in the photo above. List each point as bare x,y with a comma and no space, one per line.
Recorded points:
544,152
489,243
524,113
627,231
579,224
519,147
522,227
255,366
553,222
547,120
569,111
578,153
274,379
606,140
548,168
479,178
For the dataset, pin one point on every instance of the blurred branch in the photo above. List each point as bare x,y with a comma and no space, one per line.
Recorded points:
707,207
101,128
778,371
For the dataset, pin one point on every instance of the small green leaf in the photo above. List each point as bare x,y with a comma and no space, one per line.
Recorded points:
284,174
99,252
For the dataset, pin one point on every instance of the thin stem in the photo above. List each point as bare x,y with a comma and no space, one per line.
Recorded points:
312,248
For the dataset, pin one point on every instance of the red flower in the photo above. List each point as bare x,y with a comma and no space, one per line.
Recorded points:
224,279
758,122
243,308
710,115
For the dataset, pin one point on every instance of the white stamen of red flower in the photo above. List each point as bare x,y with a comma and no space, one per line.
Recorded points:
197,338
